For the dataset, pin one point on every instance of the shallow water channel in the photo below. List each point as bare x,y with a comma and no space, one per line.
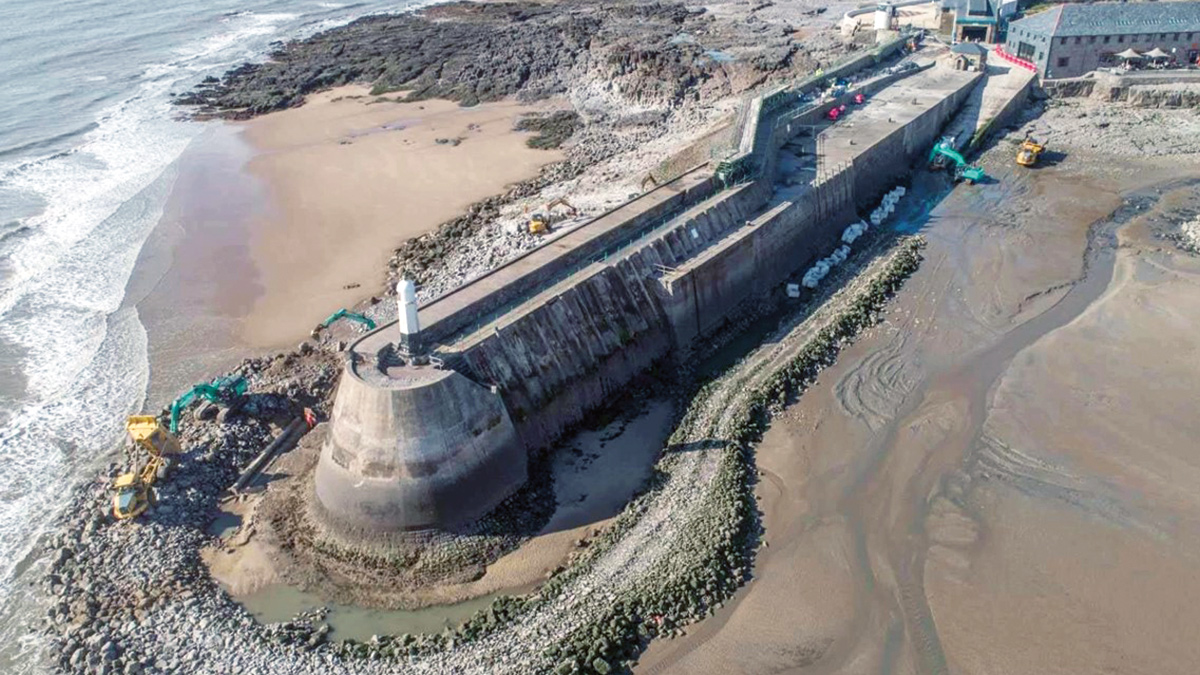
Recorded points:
279,602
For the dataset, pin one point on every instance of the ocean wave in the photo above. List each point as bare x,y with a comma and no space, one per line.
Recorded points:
84,354
50,142
65,271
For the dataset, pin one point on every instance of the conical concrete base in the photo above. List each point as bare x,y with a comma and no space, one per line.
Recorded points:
418,448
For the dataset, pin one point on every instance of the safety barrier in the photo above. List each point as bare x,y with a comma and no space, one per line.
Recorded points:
1015,60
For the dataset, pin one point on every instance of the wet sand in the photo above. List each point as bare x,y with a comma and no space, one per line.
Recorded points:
1002,476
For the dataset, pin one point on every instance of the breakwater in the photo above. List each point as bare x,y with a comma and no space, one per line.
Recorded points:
561,352
561,330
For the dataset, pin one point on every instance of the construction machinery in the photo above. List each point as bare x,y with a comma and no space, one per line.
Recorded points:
1030,152
542,219
225,391
132,491
347,314
943,153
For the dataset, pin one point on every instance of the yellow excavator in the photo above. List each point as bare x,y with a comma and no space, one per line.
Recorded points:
540,221
1030,152
132,490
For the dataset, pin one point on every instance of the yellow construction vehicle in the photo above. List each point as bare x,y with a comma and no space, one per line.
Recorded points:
132,490
540,221
1030,152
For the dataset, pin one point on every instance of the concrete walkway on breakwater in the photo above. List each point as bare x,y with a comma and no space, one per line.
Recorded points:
511,314
992,105
890,111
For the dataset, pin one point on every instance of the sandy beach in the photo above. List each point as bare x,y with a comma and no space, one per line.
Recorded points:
274,224
349,179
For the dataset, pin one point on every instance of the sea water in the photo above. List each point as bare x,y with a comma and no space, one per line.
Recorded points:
88,149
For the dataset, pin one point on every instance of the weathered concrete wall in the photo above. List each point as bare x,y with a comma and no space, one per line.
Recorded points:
1006,115
699,296
420,449
576,351
540,277
1166,89
710,145
569,355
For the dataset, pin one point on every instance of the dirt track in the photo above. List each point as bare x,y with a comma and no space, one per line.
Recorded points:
1001,478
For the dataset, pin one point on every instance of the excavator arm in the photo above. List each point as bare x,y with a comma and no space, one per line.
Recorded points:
962,170
347,314
220,390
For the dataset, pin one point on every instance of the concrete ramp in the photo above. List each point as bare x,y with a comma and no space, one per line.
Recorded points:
414,447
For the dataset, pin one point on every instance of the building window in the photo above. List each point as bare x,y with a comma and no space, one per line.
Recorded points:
1120,38
1078,40
1134,39
1162,36
1175,37
1107,38
1039,58
1189,37
1063,61
1062,41
1092,40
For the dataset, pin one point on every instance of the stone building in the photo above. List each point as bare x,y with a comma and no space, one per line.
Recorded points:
969,56
1073,39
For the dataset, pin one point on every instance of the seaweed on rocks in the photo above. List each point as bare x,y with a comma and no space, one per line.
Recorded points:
475,52
552,130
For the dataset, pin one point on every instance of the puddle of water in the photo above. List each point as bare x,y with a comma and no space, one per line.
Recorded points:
278,603
224,524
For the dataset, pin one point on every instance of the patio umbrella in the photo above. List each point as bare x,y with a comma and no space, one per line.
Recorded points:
1157,53
1129,54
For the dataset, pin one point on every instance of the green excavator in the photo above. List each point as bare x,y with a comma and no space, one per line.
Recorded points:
226,391
344,314
944,152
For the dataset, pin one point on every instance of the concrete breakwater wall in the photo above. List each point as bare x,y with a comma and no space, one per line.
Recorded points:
511,282
701,294
557,357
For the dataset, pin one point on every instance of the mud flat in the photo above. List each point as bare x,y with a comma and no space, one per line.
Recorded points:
1002,476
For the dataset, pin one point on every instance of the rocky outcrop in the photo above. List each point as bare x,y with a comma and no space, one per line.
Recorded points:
643,53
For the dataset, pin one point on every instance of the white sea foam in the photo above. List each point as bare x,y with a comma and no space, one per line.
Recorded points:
84,354
61,294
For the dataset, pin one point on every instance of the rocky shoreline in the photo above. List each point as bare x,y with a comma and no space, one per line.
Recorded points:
647,54
135,597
